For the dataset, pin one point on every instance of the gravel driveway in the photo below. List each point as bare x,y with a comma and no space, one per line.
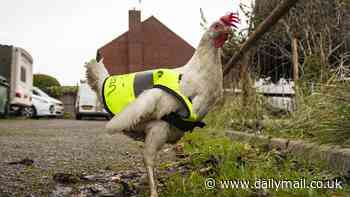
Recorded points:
59,146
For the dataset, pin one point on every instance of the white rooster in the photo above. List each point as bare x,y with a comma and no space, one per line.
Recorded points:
201,81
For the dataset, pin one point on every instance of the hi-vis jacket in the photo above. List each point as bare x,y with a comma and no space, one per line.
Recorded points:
121,90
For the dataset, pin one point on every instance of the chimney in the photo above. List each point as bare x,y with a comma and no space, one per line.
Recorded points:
135,41
134,18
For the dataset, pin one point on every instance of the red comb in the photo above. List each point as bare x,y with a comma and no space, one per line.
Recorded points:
230,19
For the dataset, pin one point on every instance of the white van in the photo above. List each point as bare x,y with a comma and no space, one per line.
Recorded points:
16,65
87,104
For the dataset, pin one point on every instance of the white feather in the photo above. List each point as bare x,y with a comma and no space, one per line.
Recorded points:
151,105
96,73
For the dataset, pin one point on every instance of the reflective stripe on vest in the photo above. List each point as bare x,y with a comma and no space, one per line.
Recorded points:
121,90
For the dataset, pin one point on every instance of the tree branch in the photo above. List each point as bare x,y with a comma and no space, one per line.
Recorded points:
265,26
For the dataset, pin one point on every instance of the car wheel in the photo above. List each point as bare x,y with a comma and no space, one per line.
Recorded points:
78,116
52,109
28,112
4,115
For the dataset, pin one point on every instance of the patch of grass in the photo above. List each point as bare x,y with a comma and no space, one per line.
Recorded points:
212,155
321,116
67,115
232,114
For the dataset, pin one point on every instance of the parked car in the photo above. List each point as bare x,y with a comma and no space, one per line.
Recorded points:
3,96
59,107
16,67
87,103
44,105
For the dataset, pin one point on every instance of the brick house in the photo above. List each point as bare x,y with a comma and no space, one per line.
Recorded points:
146,45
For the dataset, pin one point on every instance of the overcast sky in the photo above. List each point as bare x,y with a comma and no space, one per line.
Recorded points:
63,34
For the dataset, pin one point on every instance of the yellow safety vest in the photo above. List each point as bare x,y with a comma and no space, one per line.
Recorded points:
121,90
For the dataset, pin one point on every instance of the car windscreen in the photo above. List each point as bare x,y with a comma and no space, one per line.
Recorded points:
42,93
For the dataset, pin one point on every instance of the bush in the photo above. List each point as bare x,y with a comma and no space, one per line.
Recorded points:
51,86
48,84
54,91
43,81
314,70
59,91
69,90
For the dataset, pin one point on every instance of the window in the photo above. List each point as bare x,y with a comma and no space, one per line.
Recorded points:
23,74
36,93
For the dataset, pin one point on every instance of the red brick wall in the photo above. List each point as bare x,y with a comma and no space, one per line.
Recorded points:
145,46
162,47
115,55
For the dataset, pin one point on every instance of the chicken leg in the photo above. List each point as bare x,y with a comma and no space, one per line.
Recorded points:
156,137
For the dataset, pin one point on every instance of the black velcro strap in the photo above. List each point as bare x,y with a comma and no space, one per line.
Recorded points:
175,120
178,97
104,98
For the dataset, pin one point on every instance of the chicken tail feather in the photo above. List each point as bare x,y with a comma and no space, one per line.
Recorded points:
96,73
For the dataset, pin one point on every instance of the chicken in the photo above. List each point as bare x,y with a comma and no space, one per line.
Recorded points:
201,80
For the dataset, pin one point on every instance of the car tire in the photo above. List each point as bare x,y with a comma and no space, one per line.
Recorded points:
6,112
35,113
28,112
52,109
108,117
78,116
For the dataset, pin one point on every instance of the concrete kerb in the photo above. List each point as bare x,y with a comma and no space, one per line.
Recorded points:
336,157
